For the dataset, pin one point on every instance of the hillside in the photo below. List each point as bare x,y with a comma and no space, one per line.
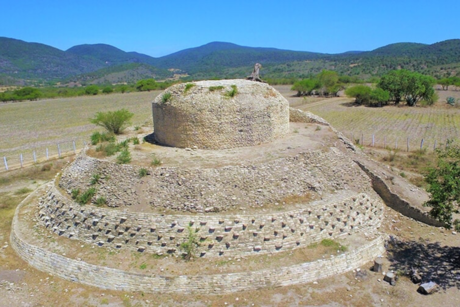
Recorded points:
22,62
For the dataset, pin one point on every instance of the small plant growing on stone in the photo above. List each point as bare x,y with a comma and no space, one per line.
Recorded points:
137,128
135,141
95,179
232,93
124,144
84,198
318,128
143,266
143,172
74,193
156,161
190,245
166,97
124,157
188,86
215,88
100,201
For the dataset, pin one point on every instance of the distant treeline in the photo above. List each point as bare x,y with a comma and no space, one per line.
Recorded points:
33,93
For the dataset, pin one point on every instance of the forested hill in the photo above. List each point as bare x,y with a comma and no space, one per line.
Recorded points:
28,62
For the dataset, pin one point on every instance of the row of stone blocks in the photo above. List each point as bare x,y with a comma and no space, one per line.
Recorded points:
217,234
216,284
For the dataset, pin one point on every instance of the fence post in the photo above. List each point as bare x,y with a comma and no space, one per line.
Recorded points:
396,144
373,140
362,139
21,159
35,157
407,143
74,147
434,147
6,163
47,155
421,145
385,141
59,151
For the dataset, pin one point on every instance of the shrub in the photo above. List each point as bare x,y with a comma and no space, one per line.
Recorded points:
46,167
74,193
156,161
98,137
124,157
92,90
215,88
188,86
143,172
135,141
95,179
450,100
86,197
111,148
190,245
101,201
166,97
107,90
115,122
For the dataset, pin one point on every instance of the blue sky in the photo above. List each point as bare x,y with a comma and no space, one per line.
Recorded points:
159,28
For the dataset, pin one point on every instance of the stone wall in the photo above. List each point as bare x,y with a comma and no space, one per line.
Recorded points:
202,114
218,234
114,279
395,200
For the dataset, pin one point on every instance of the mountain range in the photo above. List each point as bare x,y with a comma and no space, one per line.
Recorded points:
28,63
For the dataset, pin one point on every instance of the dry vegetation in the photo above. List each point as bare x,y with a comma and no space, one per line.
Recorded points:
391,125
29,125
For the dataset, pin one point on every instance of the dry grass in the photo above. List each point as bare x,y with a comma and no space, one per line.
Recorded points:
39,124
391,125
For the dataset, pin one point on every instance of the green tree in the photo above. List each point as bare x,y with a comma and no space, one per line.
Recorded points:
407,85
114,122
107,90
27,93
445,82
361,93
379,96
329,81
92,90
146,85
305,86
444,184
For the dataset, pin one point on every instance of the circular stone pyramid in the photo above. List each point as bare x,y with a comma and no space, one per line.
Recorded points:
219,114
255,186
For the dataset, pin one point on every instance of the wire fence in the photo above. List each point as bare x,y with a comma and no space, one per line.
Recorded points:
41,154
402,143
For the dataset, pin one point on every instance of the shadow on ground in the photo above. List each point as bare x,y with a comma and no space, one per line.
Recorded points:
434,262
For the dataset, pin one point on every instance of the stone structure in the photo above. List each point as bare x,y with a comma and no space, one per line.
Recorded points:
255,73
245,205
219,114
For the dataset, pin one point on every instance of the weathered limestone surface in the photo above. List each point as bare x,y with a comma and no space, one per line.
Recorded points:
205,115
114,279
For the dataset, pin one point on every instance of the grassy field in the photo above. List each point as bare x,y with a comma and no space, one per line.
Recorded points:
390,125
35,125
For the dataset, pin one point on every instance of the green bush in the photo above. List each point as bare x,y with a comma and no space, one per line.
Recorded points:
115,122
215,88
107,90
98,137
124,157
92,90
111,148
86,196
135,140
95,179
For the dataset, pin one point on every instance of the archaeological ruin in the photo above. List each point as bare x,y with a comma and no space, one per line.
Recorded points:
243,178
